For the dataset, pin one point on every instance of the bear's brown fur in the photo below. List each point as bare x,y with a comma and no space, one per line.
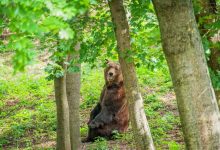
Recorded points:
111,112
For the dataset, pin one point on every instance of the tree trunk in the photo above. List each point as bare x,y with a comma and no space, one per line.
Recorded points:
138,118
184,52
73,97
63,137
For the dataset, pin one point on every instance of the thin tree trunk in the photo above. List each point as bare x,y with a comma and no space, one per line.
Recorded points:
184,52
138,118
63,137
73,97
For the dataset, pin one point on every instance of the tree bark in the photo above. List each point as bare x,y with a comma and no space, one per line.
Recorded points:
184,53
63,137
73,97
138,118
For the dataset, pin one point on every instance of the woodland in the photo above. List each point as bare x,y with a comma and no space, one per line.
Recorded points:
52,59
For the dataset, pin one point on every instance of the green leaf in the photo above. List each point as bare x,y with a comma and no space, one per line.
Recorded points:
66,34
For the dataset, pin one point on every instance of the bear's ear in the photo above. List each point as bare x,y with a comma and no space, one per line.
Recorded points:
106,61
118,67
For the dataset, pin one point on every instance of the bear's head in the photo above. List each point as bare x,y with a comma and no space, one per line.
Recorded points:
113,74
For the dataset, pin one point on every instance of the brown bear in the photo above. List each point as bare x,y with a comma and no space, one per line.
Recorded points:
111,112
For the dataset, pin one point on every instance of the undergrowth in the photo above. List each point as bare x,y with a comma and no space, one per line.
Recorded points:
28,113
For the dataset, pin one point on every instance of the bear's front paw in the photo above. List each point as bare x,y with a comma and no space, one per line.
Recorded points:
94,124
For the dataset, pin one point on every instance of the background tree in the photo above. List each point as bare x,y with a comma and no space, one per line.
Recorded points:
73,85
185,56
73,97
63,131
69,55
138,118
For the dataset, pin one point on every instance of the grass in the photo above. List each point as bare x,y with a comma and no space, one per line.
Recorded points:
28,117
26,111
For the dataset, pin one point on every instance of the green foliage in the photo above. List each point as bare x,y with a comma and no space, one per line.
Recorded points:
66,22
54,71
145,35
26,21
84,131
98,39
116,135
215,79
26,111
92,86
24,53
174,146
99,144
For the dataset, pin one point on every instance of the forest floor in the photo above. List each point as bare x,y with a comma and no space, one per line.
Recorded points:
28,113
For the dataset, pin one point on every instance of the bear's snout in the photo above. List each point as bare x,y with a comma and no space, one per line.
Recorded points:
110,74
